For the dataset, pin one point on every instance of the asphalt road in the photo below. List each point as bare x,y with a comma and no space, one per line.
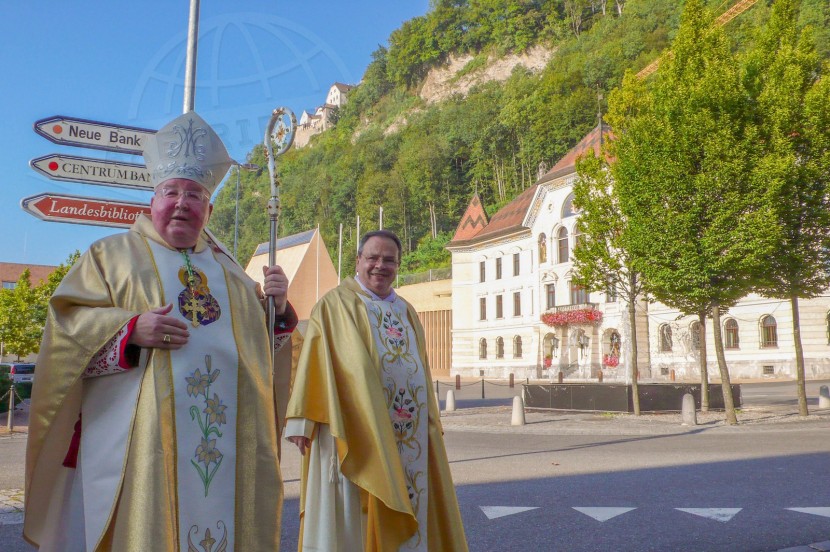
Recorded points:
706,490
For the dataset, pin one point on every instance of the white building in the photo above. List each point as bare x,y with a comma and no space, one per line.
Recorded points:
512,269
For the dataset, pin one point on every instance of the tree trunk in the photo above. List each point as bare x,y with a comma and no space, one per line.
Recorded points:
799,359
728,402
704,368
632,321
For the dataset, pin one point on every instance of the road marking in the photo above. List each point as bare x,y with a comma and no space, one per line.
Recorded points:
824,512
601,513
718,514
493,512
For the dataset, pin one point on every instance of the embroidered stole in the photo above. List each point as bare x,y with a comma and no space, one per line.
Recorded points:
204,374
405,388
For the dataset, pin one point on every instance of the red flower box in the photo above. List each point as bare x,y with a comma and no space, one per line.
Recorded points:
578,316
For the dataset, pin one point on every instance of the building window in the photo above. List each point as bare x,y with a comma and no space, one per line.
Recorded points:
665,338
578,295
550,295
499,347
482,348
694,331
498,268
9,285
517,303
515,264
543,248
517,347
482,308
730,334
769,332
611,292
562,240
568,207
499,308
481,271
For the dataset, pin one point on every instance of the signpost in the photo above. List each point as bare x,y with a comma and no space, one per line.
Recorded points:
93,171
84,210
69,131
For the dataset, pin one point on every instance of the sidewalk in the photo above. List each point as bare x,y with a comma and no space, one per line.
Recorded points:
497,419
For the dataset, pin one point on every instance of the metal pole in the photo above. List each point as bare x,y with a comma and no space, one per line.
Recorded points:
482,389
190,65
236,216
10,422
357,241
380,217
340,253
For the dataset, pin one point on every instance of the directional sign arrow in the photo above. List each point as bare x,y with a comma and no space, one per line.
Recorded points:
93,171
93,134
84,210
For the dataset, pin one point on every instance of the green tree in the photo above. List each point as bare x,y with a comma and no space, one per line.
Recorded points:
789,91
45,290
684,156
602,258
20,330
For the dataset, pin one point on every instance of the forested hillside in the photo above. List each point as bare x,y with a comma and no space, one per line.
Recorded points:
421,161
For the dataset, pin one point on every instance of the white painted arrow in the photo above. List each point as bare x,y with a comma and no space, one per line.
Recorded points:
824,512
718,514
602,513
493,512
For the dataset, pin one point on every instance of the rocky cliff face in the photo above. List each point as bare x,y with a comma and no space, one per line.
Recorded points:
443,82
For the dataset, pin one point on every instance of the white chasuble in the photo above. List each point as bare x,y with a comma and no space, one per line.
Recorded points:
204,374
405,389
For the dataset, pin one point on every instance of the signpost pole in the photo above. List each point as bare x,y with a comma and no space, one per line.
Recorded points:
190,64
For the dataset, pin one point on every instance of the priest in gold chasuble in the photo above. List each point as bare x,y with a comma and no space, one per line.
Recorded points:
363,414
155,416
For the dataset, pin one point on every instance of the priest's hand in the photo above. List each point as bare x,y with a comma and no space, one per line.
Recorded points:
303,443
155,329
276,286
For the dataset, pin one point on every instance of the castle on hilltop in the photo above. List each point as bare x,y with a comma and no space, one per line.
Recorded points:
323,117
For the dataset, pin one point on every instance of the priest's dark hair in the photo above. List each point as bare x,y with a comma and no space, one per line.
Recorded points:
380,234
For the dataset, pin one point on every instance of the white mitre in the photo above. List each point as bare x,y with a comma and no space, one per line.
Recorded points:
187,147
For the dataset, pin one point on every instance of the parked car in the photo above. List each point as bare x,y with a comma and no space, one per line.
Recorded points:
19,372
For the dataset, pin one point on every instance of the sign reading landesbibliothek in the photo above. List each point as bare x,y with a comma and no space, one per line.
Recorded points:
84,210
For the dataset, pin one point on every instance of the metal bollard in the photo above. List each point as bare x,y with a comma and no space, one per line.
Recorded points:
511,381
518,417
458,381
599,376
449,403
561,376
823,397
482,389
10,421
689,413
671,374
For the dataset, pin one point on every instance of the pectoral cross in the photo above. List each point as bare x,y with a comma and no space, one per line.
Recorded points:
194,308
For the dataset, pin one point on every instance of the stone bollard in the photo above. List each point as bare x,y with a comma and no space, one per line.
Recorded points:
518,411
449,403
823,397
689,413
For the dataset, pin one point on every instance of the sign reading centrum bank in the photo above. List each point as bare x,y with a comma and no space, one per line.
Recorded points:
69,131
84,210
93,171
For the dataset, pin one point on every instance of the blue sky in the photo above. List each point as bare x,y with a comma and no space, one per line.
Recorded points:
123,63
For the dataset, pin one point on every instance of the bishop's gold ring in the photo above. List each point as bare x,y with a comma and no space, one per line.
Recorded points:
166,338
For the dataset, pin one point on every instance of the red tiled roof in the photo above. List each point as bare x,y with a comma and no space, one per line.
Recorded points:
473,221
567,164
510,216
10,272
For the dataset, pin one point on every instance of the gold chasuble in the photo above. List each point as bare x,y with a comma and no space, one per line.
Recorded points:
363,376
179,453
